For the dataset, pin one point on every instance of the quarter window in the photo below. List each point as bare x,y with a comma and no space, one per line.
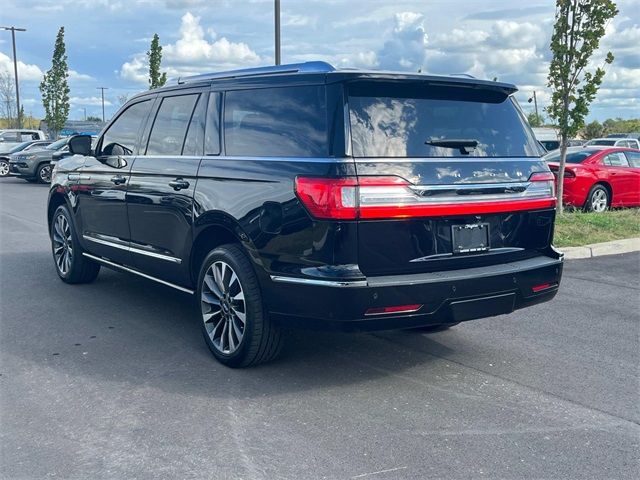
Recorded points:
276,122
616,159
170,125
193,144
212,135
634,158
122,135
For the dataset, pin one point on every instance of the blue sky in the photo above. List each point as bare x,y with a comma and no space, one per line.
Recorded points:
106,41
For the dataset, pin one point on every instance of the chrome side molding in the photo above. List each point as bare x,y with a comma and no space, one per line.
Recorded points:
320,283
131,249
109,263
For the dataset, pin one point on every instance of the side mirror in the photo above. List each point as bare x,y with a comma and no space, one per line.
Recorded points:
80,145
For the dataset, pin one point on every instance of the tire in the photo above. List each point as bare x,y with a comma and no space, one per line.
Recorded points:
598,199
43,173
71,266
4,168
228,290
435,328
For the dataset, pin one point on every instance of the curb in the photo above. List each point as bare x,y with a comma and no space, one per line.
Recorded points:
599,249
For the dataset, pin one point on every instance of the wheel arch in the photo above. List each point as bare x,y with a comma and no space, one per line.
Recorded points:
56,199
609,188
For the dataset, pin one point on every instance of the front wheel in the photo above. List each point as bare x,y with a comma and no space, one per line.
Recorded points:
43,174
237,330
598,199
71,265
4,168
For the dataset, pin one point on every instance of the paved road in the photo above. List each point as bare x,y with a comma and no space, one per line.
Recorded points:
112,380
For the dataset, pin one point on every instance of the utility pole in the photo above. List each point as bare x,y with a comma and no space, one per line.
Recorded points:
15,68
535,103
103,89
277,28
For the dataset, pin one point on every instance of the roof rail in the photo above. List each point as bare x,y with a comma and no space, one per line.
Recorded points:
306,67
463,75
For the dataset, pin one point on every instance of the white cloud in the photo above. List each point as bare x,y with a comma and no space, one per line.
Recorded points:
73,75
27,72
88,101
193,53
406,47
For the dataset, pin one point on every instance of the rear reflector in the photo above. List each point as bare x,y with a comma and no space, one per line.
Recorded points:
389,197
543,286
396,309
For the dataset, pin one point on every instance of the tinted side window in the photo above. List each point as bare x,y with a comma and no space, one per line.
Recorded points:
276,122
193,144
170,125
212,135
634,158
616,160
122,135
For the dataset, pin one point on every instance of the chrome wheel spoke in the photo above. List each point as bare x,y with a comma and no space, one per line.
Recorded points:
241,315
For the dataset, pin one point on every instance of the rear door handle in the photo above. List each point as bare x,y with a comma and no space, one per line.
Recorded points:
118,179
178,184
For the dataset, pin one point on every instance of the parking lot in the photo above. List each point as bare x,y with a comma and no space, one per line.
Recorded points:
113,380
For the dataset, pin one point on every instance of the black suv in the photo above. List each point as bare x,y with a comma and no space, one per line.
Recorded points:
301,195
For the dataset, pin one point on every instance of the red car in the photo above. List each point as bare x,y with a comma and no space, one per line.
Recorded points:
598,178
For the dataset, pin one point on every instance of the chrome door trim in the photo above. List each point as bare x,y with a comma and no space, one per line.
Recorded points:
136,272
321,283
131,249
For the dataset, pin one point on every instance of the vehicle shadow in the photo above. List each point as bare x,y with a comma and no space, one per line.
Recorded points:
124,329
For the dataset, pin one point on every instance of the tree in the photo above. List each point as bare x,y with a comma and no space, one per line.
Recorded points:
593,130
93,118
535,120
154,57
579,26
55,88
7,98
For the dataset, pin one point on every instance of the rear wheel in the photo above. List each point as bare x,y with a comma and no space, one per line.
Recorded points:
598,199
237,330
43,174
4,168
71,265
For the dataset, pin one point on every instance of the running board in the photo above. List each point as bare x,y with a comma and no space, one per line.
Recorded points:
136,272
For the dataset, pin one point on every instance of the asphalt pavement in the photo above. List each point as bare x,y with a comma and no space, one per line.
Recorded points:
112,380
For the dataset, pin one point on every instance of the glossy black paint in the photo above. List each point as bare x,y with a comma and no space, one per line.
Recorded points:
130,201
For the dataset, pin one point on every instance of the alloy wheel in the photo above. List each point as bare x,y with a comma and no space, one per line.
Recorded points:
45,174
4,168
599,200
224,311
62,244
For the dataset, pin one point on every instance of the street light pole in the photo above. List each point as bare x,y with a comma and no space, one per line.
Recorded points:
15,68
277,29
102,89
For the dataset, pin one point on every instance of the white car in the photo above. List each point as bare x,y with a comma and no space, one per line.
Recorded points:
613,142
9,138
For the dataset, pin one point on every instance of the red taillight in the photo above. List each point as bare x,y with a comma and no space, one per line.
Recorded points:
388,197
569,173
395,309
329,197
542,287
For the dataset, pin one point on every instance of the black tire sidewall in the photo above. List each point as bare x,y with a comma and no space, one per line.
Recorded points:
75,262
8,172
253,302
38,172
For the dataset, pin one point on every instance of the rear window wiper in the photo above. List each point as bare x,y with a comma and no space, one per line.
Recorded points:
462,144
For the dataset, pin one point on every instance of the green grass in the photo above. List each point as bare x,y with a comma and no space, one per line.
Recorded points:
578,228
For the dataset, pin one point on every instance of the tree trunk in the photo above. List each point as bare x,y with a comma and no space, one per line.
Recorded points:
563,161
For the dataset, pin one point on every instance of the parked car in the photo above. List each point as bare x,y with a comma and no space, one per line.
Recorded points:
21,147
596,179
635,135
9,138
36,166
575,142
613,142
301,195
548,137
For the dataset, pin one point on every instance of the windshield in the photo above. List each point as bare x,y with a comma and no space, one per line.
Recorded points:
20,147
423,120
601,142
572,157
56,145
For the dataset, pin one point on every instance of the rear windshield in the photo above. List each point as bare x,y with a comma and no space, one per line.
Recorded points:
572,157
396,120
601,142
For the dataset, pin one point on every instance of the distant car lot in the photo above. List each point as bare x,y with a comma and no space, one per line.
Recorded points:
123,387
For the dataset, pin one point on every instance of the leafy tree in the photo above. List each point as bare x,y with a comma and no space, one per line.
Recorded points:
154,56
535,120
93,118
579,26
55,88
593,130
8,99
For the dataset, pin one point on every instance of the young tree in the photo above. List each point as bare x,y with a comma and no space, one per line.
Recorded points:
93,118
535,120
579,26
154,56
592,130
55,88
7,99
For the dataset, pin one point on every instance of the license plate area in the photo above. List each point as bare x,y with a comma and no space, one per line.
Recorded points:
470,238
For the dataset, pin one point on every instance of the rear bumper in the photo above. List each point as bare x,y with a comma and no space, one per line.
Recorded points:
446,297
